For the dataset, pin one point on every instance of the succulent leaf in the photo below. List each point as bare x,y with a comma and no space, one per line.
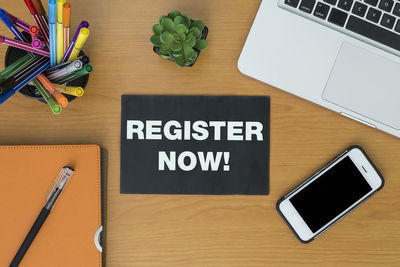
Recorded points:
196,32
157,29
161,19
168,25
201,44
190,40
166,38
181,28
188,22
173,14
175,47
179,20
155,40
198,24
188,51
180,61
164,49
177,54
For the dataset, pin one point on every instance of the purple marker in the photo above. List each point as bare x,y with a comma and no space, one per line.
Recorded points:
83,24
21,24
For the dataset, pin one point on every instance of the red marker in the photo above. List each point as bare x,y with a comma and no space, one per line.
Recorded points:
33,30
39,21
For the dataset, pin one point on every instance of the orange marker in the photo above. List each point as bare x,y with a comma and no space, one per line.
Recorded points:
61,100
66,24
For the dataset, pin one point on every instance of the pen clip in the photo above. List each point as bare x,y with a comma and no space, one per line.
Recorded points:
58,179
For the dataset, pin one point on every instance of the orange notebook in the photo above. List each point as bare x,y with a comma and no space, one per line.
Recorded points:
73,233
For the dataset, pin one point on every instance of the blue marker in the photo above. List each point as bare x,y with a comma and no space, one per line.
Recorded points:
53,31
18,35
28,78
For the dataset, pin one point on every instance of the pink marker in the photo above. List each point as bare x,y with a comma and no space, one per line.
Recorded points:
23,46
37,43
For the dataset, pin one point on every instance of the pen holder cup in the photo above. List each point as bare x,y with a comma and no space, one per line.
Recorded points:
13,54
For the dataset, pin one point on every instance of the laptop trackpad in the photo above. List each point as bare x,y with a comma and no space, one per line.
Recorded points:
365,83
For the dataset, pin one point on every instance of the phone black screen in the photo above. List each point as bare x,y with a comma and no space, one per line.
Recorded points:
330,194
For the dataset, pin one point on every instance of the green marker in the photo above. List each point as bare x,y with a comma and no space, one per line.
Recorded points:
49,99
88,68
5,74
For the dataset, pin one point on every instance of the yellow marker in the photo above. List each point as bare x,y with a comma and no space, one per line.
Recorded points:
60,31
80,41
70,90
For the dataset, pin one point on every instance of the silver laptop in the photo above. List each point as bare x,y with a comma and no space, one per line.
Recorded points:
341,54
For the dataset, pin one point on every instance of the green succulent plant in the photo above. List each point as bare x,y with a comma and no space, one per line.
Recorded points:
179,38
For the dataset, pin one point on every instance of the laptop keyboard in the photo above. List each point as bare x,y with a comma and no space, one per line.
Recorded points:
376,20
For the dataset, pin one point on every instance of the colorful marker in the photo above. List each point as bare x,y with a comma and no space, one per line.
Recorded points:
60,31
41,12
61,100
80,41
64,72
38,44
66,24
20,37
21,73
23,46
19,23
83,24
34,30
87,69
53,31
4,17
47,97
83,59
20,69
38,20
70,90
7,94
9,71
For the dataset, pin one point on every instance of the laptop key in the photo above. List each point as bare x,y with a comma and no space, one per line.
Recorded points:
386,5
345,4
359,9
397,28
307,5
337,17
321,10
396,10
374,15
388,21
292,3
373,32
371,2
332,2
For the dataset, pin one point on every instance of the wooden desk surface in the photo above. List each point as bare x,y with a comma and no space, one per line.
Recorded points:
148,230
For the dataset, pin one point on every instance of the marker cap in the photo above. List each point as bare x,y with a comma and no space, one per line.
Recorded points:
2,39
34,29
89,68
79,91
67,15
52,11
37,43
5,18
60,4
31,7
39,7
82,37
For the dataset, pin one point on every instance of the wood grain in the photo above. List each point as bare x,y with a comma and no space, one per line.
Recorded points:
148,230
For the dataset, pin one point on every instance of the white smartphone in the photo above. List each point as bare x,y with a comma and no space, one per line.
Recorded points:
330,194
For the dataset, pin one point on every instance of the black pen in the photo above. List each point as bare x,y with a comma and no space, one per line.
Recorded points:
53,194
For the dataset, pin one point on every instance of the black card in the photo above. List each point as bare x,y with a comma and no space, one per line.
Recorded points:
195,145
